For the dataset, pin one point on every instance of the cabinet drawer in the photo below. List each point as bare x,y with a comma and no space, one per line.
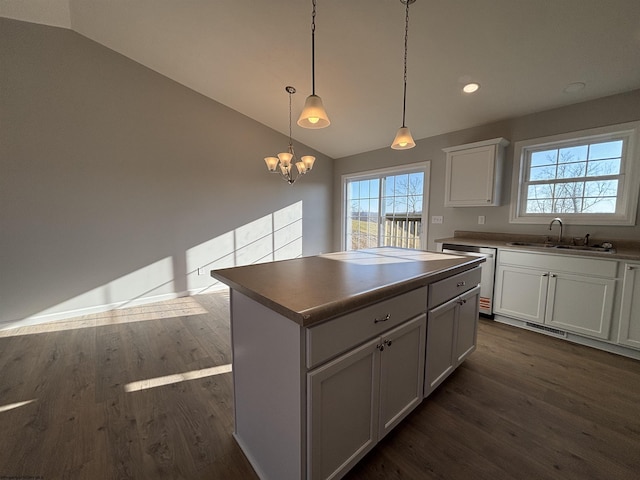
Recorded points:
440,292
336,336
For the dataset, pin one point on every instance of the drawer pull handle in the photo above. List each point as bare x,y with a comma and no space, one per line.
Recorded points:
461,284
378,320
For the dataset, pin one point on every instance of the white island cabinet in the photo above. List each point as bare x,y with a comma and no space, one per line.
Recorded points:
329,354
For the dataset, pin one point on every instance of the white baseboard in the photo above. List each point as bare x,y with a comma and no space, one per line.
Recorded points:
63,315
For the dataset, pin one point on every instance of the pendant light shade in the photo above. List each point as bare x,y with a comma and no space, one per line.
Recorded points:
403,140
313,114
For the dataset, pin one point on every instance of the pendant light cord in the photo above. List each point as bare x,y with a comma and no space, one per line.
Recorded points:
406,41
313,48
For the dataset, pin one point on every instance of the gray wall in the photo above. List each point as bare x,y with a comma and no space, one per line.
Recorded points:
605,111
118,184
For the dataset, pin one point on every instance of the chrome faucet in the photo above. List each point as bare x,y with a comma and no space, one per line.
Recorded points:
559,220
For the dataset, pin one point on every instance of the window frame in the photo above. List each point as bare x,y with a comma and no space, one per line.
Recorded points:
424,167
628,187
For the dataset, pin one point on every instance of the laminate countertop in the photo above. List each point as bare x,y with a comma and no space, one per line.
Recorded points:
310,290
622,249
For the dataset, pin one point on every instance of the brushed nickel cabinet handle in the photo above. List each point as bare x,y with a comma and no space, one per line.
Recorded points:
378,320
461,284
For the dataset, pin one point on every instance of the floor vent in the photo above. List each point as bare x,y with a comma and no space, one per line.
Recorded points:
548,330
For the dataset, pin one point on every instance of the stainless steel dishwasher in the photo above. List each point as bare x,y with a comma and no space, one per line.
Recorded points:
487,269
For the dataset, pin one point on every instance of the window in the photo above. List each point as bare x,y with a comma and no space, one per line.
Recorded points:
385,208
584,177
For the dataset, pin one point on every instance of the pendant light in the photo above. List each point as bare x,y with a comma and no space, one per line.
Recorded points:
313,114
404,140
287,159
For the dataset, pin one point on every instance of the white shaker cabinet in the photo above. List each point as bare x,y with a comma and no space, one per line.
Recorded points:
452,322
629,333
452,330
521,292
568,293
357,398
474,173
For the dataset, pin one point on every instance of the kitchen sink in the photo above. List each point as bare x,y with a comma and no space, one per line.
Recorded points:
584,248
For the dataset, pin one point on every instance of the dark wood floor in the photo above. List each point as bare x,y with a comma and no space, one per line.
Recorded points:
523,406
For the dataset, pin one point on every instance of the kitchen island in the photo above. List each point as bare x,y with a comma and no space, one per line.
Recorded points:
331,352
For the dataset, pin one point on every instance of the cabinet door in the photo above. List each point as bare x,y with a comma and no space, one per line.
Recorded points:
401,372
440,358
521,293
580,304
629,333
470,177
343,411
467,328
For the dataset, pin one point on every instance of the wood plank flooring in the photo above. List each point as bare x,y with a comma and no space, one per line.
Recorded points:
523,406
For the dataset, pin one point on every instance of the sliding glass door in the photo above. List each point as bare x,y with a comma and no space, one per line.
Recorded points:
385,208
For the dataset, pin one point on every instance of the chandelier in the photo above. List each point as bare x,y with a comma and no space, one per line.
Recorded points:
404,140
285,161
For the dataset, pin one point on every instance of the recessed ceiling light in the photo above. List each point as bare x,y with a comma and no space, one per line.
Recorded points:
574,87
471,87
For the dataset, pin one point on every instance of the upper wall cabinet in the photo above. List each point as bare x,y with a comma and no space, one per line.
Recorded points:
474,174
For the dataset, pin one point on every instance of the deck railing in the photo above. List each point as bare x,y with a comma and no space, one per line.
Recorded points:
400,230
403,231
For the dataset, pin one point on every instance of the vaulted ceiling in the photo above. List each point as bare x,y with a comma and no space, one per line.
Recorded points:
242,53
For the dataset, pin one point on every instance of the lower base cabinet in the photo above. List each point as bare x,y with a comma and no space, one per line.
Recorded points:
357,398
573,294
452,330
629,333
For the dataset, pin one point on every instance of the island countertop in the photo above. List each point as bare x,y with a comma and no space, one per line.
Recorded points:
309,290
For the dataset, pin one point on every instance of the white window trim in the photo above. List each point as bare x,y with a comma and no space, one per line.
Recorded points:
630,186
370,174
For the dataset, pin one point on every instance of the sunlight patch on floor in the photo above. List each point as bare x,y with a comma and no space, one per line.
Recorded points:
11,406
175,378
